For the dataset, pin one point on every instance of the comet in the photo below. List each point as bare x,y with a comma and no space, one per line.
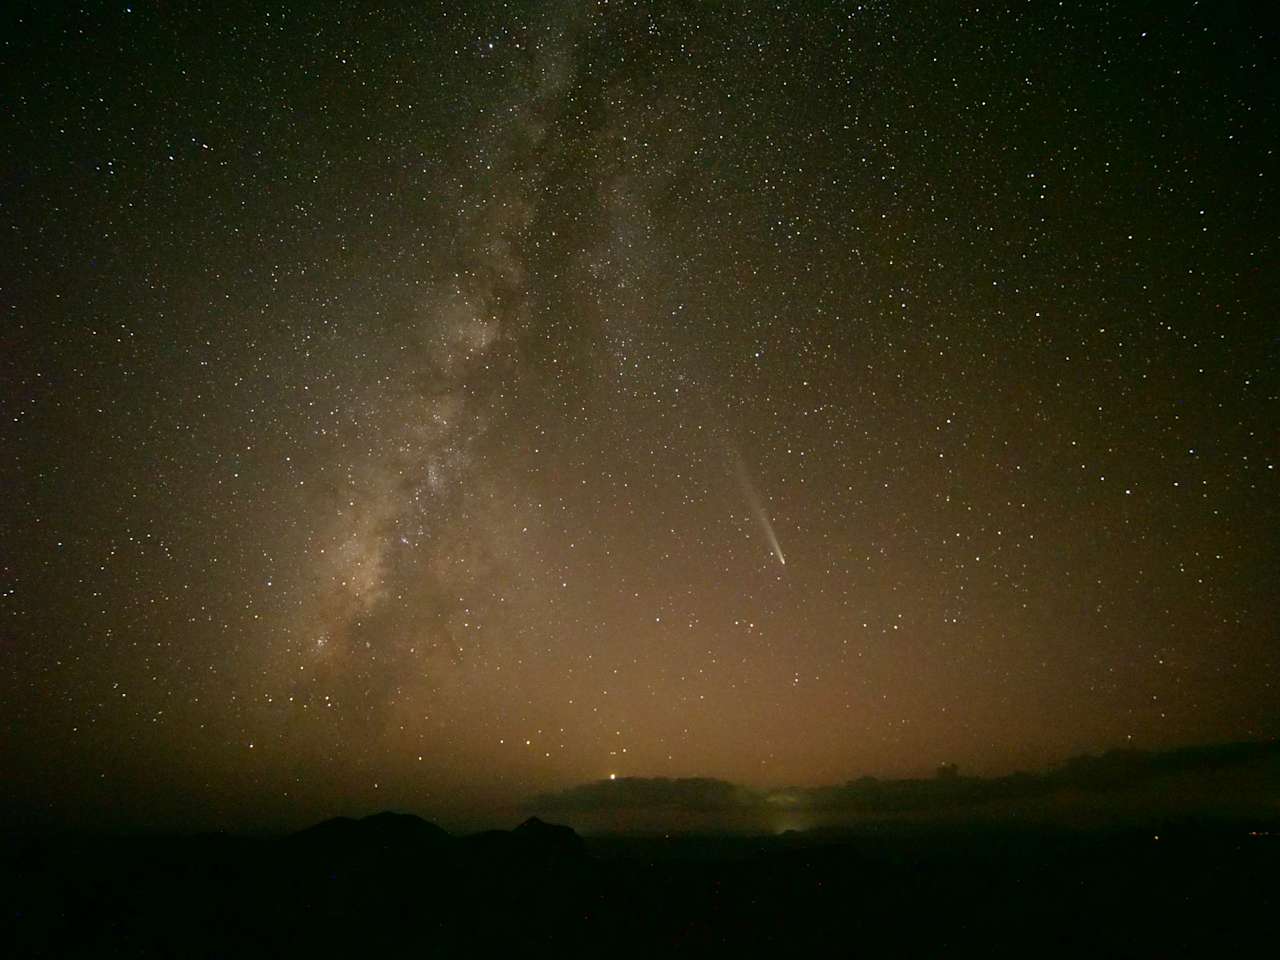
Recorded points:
757,507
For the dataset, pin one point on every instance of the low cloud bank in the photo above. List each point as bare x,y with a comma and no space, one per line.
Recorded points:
1240,779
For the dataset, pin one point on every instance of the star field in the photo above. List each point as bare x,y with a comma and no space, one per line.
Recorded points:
426,406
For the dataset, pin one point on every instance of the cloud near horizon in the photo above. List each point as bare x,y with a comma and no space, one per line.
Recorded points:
1224,779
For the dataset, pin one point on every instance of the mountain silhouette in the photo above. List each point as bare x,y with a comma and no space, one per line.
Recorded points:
533,840
381,830
551,837
395,884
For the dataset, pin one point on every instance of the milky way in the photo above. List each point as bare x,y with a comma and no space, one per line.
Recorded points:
407,408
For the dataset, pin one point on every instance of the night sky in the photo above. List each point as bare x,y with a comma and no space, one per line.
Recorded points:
430,405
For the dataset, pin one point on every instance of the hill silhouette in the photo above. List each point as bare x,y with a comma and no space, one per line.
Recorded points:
386,831
394,883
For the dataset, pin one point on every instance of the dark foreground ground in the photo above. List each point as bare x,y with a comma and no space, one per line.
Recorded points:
394,885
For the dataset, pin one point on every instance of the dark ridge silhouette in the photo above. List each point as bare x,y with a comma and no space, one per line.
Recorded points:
532,841
393,883
384,830
551,837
